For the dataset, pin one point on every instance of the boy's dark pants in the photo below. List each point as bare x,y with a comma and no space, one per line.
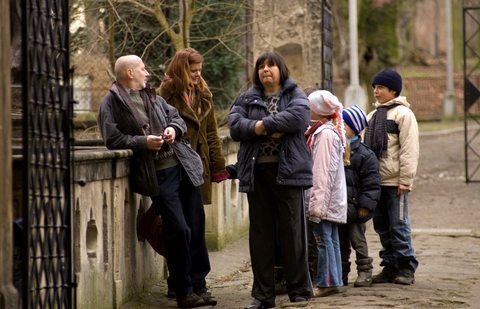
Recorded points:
352,235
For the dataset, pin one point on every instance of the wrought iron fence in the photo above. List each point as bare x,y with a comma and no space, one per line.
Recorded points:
46,113
471,69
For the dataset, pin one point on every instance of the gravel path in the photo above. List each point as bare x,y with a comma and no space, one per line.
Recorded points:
445,216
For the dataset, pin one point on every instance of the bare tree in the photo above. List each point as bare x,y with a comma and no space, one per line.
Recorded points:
156,29
177,30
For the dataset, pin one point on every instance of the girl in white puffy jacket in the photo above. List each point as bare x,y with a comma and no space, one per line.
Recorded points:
327,205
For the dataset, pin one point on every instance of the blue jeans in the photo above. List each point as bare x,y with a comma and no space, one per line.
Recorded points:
329,267
391,223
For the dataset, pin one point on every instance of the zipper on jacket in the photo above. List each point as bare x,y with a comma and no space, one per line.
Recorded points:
252,172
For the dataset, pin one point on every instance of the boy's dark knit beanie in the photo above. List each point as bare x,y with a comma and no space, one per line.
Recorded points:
388,78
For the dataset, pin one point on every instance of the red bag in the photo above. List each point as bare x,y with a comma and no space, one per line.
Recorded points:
150,228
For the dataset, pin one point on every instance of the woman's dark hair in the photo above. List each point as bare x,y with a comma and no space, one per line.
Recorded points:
271,58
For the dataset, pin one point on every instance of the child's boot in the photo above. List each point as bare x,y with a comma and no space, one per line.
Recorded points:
364,279
364,268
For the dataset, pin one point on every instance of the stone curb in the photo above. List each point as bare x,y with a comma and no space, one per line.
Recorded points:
448,131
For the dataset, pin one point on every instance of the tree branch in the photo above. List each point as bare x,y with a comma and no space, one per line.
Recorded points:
139,4
162,20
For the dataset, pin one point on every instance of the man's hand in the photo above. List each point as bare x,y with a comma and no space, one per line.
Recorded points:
154,142
169,135
403,189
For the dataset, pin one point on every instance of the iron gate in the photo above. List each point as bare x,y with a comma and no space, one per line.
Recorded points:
471,69
47,139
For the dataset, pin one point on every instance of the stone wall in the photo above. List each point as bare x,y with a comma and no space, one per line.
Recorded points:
293,29
227,216
111,265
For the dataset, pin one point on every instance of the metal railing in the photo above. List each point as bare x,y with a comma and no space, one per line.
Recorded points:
47,126
471,69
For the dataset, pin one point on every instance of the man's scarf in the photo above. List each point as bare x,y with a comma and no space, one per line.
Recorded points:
376,136
157,123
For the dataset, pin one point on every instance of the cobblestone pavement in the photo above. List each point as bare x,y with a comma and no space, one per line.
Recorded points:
445,216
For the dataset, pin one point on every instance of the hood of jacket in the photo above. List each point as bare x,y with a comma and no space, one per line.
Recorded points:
288,86
400,100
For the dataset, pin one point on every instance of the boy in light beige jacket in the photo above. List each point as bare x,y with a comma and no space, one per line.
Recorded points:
392,134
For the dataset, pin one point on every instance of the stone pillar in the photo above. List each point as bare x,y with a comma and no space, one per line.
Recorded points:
449,99
354,94
8,294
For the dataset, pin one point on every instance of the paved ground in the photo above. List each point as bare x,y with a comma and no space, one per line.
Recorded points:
445,216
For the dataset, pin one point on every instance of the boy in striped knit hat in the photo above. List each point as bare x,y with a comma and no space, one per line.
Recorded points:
363,193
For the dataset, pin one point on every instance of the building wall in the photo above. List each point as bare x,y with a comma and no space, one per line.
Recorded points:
430,27
293,29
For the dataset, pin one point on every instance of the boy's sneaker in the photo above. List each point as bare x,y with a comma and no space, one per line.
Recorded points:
387,275
405,277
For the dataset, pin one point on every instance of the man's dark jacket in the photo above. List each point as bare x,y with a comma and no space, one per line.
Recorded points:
121,128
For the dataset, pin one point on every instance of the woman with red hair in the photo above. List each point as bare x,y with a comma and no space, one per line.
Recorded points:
184,88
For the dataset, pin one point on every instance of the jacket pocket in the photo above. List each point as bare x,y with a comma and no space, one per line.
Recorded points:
190,160
143,177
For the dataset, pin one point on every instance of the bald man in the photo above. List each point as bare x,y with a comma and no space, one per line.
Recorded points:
130,71
164,167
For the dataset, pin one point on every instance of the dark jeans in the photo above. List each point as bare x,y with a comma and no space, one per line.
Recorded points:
391,223
352,235
181,207
270,205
